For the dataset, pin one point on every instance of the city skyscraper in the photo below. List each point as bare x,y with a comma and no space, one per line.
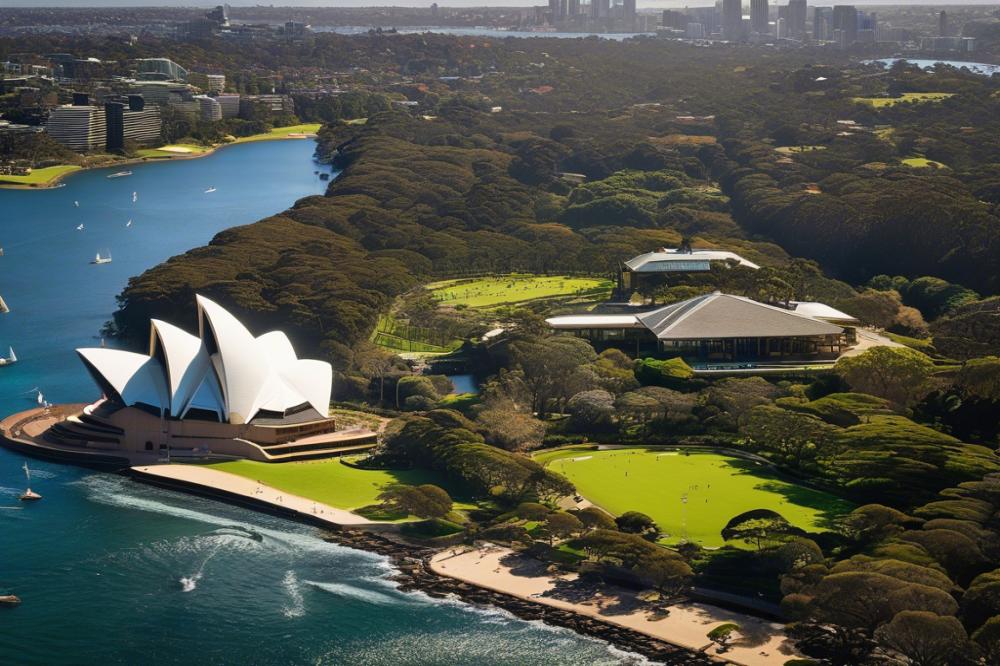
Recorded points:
845,19
795,19
759,14
822,24
943,24
628,12
732,19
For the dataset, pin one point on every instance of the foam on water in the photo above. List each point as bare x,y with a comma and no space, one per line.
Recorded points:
297,605
188,583
115,491
356,593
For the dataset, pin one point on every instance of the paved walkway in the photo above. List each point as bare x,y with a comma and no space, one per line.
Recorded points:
240,485
760,643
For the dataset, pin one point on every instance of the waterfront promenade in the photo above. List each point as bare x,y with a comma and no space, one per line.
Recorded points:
228,486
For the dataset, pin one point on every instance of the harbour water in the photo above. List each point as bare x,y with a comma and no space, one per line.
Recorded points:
111,572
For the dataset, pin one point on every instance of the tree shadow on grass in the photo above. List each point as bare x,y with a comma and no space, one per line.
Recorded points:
827,506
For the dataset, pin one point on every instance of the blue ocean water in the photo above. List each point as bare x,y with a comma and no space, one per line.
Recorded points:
112,572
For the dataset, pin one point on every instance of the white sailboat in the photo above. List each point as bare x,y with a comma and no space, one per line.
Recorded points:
10,359
102,260
209,190
79,227
29,495
76,203
39,398
128,224
3,306
135,197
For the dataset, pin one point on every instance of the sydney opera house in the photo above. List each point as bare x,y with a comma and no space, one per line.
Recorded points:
221,393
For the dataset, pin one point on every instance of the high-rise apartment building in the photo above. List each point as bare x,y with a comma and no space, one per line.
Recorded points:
628,12
80,128
230,104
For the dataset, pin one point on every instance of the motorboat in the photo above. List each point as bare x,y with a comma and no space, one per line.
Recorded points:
119,174
101,260
29,495
209,190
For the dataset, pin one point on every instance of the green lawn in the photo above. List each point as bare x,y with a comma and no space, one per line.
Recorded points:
282,132
40,176
504,289
882,102
923,163
328,481
717,488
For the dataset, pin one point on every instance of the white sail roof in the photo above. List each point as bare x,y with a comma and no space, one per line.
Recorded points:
130,377
224,369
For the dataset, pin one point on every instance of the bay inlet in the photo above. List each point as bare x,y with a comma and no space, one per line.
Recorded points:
112,572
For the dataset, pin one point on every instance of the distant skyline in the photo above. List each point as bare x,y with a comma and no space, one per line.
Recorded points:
642,4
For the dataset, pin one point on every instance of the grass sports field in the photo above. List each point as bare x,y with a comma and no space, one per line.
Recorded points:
717,488
881,102
504,289
328,481
40,176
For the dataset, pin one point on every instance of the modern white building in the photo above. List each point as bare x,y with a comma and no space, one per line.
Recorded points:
209,110
222,393
224,373
80,128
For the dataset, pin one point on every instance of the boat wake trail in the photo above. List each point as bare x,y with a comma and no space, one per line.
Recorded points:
189,583
357,593
297,605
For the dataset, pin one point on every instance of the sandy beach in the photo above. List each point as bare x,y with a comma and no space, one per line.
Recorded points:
238,485
760,643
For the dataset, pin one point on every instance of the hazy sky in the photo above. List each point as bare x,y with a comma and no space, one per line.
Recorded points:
419,3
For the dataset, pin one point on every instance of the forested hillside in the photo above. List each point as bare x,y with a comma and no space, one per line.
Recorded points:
761,151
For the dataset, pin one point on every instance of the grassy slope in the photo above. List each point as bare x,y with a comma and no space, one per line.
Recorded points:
487,292
282,132
328,481
718,488
40,176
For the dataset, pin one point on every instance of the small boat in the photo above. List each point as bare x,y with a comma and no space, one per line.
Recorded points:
10,359
29,495
120,174
3,306
101,260
209,190
135,197
79,227
9,599
39,398
128,224
76,203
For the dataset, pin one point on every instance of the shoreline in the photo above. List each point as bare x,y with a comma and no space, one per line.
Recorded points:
211,150
422,567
